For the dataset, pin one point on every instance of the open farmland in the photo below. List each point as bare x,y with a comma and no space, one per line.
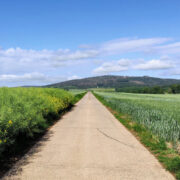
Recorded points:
158,113
88,143
25,112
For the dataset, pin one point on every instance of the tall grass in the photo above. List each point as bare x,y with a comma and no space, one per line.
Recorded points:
159,113
25,112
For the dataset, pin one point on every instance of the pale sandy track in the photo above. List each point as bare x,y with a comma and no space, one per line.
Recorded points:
89,143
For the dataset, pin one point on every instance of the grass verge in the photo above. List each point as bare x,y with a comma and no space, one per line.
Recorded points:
168,157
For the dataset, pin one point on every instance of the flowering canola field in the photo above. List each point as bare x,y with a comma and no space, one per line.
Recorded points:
25,112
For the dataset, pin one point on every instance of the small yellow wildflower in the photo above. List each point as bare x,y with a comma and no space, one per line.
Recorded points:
0,141
10,122
5,141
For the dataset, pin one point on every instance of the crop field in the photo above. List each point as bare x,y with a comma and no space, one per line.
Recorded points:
25,112
77,91
159,113
102,89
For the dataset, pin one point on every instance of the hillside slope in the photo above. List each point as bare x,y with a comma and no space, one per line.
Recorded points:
114,81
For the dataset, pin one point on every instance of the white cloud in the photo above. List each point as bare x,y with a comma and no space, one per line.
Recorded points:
34,78
173,48
73,77
135,64
113,66
128,45
28,55
23,57
15,61
131,45
77,55
28,77
124,62
154,64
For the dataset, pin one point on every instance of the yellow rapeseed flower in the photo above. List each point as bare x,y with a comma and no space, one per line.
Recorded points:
10,122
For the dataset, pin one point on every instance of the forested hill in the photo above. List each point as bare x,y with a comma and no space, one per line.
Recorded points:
115,82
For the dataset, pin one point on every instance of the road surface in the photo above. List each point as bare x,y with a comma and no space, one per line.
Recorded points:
88,143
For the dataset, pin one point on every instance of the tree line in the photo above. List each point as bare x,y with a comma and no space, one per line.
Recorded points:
173,89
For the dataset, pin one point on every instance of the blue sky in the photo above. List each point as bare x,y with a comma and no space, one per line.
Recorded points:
48,41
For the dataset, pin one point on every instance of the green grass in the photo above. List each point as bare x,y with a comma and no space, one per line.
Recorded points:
167,156
27,112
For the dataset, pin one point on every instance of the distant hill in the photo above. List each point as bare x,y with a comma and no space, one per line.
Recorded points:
114,82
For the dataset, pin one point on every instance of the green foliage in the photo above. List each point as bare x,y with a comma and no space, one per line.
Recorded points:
174,164
144,90
25,112
173,89
171,164
138,128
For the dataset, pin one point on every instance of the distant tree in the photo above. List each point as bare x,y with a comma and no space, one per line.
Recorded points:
157,90
178,88
146,90
175,88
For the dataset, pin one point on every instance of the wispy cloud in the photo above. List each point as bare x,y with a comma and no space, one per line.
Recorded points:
51,58
34,78
134,64
17,64
113,66
172,48
16,60
131,45
73,77
154,64
28,77
25,55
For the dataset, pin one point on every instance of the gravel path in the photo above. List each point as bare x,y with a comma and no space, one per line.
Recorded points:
88,143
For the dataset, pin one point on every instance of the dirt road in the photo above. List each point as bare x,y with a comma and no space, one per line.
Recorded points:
88,143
